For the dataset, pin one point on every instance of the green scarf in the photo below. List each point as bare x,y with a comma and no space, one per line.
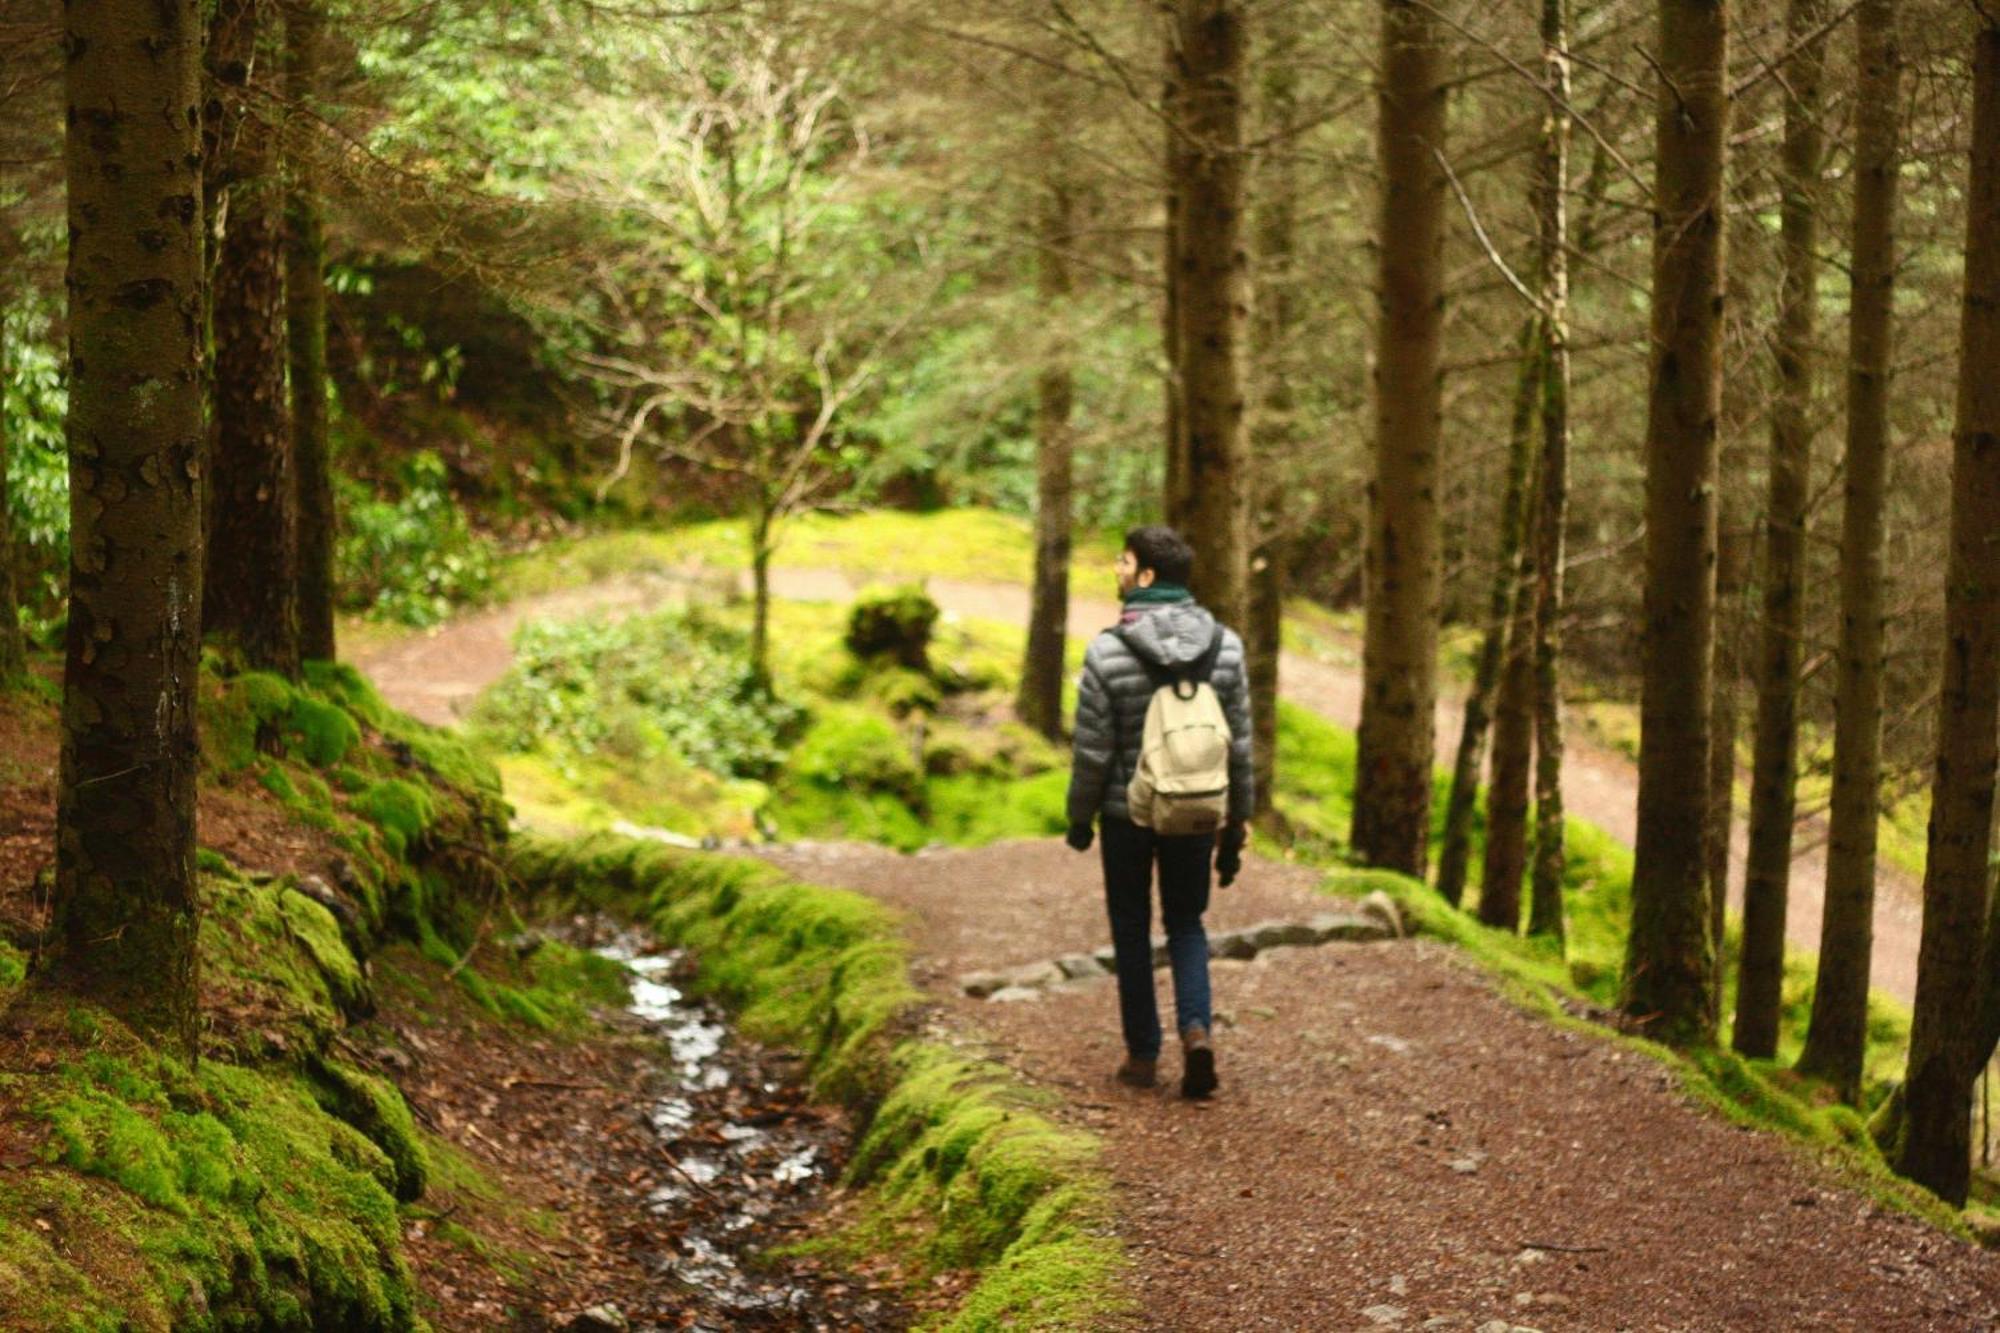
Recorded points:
1160,594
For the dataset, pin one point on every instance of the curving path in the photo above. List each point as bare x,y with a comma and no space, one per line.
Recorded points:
437,675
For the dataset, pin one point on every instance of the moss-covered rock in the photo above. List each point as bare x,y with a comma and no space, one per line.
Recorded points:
851,748
378,1112
895,623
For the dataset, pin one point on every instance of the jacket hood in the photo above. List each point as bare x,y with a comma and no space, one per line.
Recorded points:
1172,635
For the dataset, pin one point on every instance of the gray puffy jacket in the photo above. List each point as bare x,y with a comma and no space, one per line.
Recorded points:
1116,688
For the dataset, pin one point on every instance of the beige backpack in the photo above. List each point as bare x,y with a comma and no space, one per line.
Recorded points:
1182,783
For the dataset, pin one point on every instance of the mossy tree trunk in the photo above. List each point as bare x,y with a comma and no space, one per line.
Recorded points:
1669,958
305,326
763,545
1392,796
125,895
1455,849
1545,911
1214,301
250,588
1774,764
1040,702
1944,1048
1836,1036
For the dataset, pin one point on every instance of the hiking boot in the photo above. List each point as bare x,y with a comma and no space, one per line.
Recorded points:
1138,1073
1198,1069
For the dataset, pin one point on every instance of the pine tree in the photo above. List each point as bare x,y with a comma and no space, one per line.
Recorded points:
305,329
1040,703
250,588
1669,958
1213,300
1945,1050
1392,795
1836,1036
1774,773
125,897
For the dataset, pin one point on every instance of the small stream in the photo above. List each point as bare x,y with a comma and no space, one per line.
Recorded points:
748,1160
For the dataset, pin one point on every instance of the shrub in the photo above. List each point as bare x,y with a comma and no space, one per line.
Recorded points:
414,558
895,622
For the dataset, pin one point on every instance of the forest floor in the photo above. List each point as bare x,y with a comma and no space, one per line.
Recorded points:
1396,1144
436,676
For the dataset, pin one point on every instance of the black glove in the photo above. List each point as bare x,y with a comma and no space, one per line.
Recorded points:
1229,853
1079,837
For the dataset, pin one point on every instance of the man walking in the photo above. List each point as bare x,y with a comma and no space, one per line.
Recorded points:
1142,713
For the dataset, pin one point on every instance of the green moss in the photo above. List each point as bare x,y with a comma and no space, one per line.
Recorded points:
401,810
323,731
268,947
224,1190
851,748
13,969
377,1110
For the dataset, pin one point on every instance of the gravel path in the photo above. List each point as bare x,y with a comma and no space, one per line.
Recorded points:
436,676
1396,1146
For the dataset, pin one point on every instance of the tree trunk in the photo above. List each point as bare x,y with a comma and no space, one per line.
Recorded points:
1040,703
1513,762
305,325
1774,770
760,595
250,588
1836,1037
1214,302
1944,1058
1454,850
1392,796
13,656
1669,959
1725,688
1545,914
1174,483
1274,435
125,898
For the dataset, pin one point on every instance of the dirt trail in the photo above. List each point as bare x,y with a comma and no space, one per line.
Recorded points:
437,675
1397,1146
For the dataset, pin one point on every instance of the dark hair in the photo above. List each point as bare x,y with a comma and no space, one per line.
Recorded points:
1159,548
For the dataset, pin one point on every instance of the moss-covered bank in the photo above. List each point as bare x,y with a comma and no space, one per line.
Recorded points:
259,1188
957,1157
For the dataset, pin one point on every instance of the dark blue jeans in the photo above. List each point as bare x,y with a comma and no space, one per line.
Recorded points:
1129,856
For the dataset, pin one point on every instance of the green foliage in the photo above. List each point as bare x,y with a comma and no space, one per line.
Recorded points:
894,623
412,558
34,400
638,688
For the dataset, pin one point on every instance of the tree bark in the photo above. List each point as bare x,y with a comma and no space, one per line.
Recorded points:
1214,301
1725,689
1174,482
250,588
125,896
1944,1055
1669,959
305,326
1455,848
1513,763
1774,767
1392,795
1040,703
1836,1037
1545,912
761,549
1274,435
